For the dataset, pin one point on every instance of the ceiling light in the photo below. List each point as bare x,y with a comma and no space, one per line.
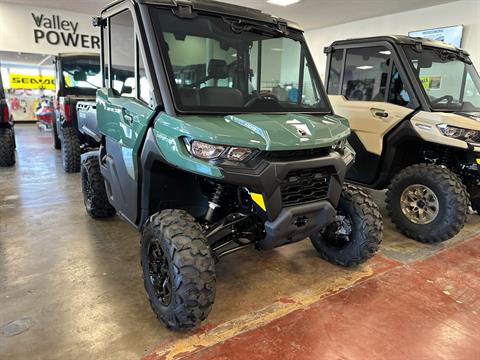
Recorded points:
385,52
283,2
364,67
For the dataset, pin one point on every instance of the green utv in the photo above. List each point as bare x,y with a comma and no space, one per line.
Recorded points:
221,139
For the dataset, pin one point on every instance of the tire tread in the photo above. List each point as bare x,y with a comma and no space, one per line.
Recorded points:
70,150
368,237
101,207
457,198
7,147
193,265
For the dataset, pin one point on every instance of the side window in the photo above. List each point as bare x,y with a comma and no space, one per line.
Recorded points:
105,53
122,55
366,73
471,93
144,92
336,62
398,93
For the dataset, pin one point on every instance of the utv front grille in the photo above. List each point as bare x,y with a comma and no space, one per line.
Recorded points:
292,155
305,186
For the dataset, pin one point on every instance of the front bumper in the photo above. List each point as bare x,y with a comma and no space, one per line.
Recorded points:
287,222
263,175
296,223
266,177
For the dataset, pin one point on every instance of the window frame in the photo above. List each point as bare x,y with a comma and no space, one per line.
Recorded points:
107,78
165,61
329,67
426,103
105,50
396,61
388,71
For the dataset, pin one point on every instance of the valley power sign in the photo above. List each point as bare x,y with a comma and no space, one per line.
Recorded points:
56,30
46,31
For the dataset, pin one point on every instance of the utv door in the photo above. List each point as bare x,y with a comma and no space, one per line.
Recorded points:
366,87
122,114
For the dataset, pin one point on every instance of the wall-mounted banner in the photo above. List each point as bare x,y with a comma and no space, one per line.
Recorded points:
56,29
21,81
46,31
451,34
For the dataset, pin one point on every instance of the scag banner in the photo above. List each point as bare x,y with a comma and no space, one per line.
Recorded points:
20,81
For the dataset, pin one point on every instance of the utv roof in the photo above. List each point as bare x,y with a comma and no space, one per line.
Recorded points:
399,40
77,55
216,7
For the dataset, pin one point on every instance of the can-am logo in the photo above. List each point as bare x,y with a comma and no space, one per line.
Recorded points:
55,30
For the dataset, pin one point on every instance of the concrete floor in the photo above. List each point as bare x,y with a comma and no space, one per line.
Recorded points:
71,287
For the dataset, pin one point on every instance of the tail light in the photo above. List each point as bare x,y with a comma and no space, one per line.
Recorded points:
66,112
5,113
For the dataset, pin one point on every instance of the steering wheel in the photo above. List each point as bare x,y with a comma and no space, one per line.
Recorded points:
449,99
262,97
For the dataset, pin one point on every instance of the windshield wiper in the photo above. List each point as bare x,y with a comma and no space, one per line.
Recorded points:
453,55
239,25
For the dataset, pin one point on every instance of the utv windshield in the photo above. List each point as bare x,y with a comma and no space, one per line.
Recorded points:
220,65
449,79
81,74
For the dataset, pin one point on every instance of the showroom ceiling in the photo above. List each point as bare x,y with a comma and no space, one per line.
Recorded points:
21,58
310,14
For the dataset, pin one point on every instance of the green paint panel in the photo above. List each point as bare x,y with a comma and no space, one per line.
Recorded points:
125,120
260,131
174,150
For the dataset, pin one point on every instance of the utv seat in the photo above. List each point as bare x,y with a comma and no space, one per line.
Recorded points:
212,95
189,97
215,96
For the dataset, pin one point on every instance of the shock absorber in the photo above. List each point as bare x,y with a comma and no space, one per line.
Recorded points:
447,158
444,158
214,203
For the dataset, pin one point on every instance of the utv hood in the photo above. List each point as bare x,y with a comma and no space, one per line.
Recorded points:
475,115
269,132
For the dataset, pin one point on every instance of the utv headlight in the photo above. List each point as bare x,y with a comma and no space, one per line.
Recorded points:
238,153
460,133
207,151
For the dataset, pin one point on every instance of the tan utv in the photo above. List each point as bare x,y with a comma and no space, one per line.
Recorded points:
414,108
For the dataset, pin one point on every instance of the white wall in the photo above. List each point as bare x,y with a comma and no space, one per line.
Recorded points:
466,12
45,31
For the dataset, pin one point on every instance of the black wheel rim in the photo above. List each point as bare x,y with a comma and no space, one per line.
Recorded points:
339,233
159,274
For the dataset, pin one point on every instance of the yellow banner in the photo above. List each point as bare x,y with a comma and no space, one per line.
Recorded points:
425,82
21,81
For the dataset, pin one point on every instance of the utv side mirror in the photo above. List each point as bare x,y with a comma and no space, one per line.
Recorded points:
126,90
425,63
79,76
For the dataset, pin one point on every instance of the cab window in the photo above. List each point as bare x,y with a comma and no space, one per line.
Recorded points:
366,74
122,43
105,59
144,92
336,62
398,93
